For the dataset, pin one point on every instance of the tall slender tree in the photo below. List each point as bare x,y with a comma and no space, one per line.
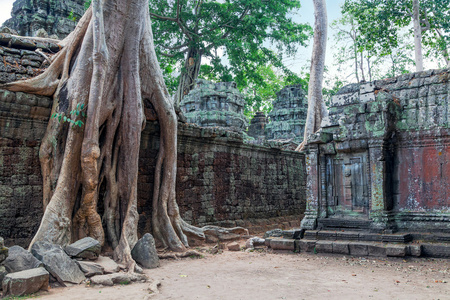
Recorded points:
316,106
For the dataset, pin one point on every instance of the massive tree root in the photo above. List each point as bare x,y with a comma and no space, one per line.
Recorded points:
105,70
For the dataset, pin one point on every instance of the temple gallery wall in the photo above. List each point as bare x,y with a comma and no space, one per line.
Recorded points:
221,179
380,162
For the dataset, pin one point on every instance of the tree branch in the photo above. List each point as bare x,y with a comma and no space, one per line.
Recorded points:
244,13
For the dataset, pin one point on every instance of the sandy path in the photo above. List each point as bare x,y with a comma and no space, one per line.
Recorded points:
240,275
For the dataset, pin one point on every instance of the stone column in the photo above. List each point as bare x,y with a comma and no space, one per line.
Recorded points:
309,222
380,199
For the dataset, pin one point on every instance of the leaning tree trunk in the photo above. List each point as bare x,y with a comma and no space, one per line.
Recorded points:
189,74
316,106
105,70
417,36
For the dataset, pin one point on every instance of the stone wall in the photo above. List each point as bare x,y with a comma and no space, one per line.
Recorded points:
221,180
56,17
383,156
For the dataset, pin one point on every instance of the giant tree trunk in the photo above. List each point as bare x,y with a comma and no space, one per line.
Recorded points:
417,36
105,70
107,67
316,106
188,74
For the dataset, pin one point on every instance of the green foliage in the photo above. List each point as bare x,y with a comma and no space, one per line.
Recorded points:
74,114
380,23
72,17
233,36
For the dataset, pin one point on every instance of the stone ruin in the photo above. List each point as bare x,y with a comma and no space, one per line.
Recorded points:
288,116
215,105
257,127
53,16
378,171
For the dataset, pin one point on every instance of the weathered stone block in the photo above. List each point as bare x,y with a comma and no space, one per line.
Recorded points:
340,247
20,259
282,244
324,247
358,249
25,282
307,245
90,268
144,252
395,250
87,248
377,249
414,250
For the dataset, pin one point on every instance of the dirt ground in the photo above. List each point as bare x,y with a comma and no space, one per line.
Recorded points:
282,275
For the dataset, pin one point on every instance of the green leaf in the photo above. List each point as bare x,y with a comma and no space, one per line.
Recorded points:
65,118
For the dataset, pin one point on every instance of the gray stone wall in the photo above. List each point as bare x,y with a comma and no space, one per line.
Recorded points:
28,16
221,180
383,153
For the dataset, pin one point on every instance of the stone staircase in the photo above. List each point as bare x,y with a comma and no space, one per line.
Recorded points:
362,243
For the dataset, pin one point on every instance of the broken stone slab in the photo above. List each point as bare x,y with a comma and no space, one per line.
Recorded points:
109,265
233,246
395,250
25,282
274,233
58,263
144,252
253,242
90,268
117,278
20,259
282,244
436,250
87,248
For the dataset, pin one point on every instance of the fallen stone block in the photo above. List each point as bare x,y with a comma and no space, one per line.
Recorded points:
20,259
25,282
324,247
58,263
87,248
144,252
340,247
90,268
117,278
109,265
274,233
253,242
395,250
233,246
282,244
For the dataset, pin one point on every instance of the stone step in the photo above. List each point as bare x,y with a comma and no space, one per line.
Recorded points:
342,223
357,236
371,248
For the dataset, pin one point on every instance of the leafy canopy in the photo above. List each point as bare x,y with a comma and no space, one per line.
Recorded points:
237,38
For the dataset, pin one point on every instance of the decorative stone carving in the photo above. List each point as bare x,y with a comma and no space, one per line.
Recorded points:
288,117
215,105
54,16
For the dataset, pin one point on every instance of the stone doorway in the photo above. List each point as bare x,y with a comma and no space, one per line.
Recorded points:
347,185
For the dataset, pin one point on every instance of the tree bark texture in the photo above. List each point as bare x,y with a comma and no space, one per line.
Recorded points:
417,36
189,74
316,106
